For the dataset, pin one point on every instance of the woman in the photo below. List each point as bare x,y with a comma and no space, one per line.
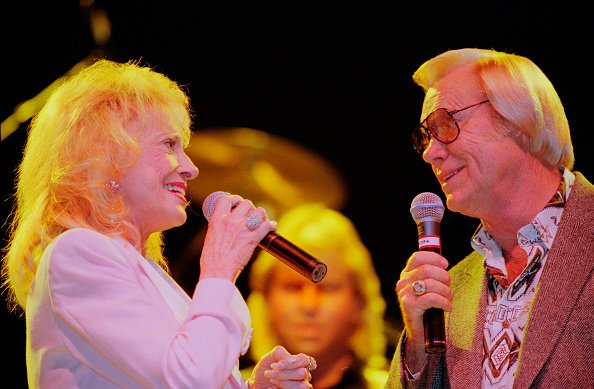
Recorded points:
339,320
104,172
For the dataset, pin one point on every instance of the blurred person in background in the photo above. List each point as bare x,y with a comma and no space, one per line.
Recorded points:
340,320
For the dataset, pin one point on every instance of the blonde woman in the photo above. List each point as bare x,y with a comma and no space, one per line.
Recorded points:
104,172
340,320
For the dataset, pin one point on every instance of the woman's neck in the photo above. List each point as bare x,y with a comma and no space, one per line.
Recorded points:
330,372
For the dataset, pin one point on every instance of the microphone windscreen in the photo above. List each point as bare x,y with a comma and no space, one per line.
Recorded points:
210,202
427,206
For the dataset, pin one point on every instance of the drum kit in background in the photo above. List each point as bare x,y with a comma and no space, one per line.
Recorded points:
274,172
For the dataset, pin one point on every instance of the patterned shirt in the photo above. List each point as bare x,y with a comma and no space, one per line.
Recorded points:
508,301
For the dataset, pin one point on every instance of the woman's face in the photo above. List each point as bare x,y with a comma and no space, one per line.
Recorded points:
314,318
154,187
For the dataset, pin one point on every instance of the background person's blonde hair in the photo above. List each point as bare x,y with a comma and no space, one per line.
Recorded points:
522,95
81,141
315,228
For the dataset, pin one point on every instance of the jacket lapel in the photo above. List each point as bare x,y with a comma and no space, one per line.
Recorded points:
561,283
174,296
465,325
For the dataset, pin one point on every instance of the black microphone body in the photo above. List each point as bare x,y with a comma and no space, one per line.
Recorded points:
293,256
279,247
427,210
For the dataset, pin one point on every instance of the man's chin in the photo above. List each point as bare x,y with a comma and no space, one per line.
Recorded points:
452,202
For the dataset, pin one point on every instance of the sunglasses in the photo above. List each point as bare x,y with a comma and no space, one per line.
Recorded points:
439,124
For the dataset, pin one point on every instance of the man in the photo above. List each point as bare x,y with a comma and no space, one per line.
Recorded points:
519,309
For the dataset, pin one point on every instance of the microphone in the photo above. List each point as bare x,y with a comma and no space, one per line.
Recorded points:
279,247
427,211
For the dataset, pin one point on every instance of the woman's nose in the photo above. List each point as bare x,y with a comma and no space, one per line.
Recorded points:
188,168
310,296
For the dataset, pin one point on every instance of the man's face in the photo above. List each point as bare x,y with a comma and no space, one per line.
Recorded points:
477,170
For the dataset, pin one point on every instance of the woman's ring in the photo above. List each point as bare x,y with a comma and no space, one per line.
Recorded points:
253,222
419,287
312,364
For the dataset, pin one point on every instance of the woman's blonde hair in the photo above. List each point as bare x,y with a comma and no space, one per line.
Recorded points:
78,146
316,228
519,92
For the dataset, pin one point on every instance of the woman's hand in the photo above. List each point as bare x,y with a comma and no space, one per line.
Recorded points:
235,228
281,369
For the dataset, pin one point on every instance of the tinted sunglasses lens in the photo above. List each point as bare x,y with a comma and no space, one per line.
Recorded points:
442,125
420,139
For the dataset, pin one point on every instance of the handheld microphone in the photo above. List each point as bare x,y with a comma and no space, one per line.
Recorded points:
427,211
279,247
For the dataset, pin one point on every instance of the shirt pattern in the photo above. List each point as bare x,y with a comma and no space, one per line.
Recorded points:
508,301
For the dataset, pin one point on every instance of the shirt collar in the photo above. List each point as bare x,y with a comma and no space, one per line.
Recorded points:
482,241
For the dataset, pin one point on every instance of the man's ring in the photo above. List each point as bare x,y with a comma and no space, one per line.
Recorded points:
253,222
312,364
419,287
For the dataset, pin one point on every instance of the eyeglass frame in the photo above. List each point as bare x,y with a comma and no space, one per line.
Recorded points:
428,132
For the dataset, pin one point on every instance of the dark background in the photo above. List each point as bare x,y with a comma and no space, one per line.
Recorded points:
333,78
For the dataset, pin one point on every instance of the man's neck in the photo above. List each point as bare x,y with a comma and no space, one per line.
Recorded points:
504,223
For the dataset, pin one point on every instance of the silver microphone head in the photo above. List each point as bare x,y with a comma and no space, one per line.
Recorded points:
427,206
210,202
